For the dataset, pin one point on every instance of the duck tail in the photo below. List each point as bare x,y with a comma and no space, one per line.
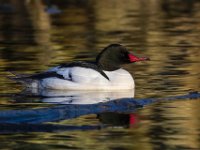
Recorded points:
21,78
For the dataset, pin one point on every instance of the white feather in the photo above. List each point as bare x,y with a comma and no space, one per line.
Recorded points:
80,78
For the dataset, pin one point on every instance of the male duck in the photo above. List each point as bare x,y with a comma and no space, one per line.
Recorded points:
103,74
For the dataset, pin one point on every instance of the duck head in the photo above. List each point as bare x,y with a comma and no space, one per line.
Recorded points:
114,56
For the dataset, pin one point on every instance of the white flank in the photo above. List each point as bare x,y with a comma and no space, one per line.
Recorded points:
79,78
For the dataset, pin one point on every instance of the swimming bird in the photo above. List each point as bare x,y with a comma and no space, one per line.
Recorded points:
105,73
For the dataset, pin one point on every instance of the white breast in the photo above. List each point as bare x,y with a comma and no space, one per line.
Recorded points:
120,79
79,78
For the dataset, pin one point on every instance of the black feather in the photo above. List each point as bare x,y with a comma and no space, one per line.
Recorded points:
85,64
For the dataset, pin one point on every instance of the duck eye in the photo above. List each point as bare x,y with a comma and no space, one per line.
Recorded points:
124,54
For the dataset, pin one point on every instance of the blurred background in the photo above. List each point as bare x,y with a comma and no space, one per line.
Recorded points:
38,34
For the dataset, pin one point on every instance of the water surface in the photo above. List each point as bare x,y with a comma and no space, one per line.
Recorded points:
36,35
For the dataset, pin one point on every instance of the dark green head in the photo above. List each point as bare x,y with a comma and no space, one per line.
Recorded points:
114,56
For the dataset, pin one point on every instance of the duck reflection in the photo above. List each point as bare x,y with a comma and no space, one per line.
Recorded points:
115,110
126,120
68,104
76,97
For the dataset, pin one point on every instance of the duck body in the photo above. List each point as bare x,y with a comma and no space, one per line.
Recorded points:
81,76
103,74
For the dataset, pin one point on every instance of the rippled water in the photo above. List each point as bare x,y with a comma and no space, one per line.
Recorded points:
36,35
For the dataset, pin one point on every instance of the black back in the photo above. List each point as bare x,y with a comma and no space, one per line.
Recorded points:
85,64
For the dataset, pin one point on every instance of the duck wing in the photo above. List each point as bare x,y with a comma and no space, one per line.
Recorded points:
62,72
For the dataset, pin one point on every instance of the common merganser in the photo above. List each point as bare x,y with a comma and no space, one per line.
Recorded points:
103,74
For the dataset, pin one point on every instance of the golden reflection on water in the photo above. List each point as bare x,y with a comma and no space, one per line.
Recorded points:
32,40
176,124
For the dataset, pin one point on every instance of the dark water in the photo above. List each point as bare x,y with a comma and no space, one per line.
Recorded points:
36,35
